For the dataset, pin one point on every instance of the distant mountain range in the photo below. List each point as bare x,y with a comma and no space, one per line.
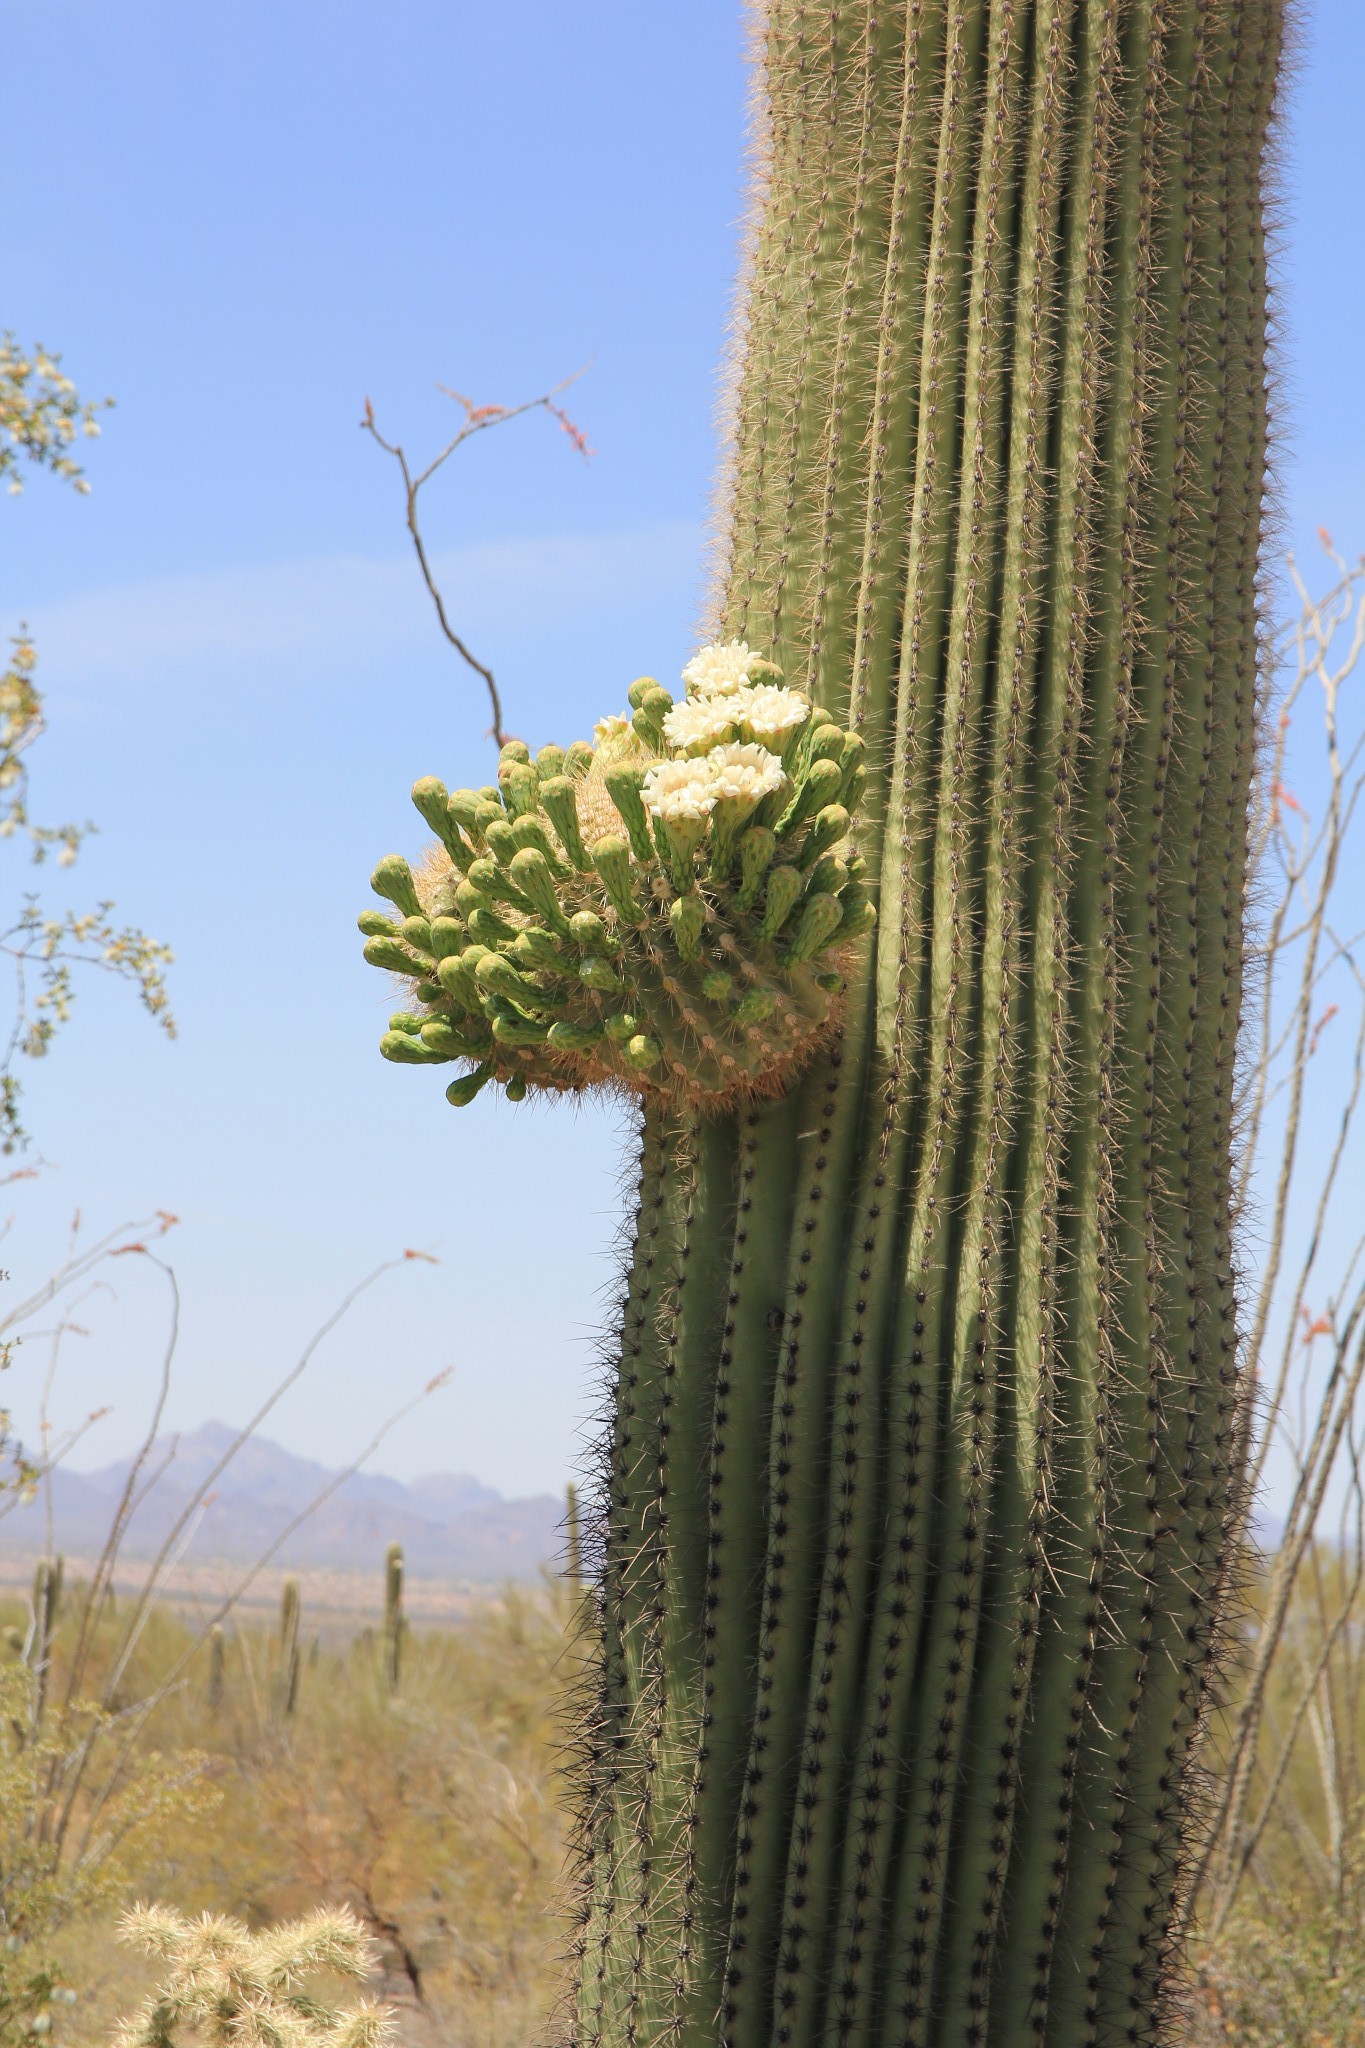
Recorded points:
450,1526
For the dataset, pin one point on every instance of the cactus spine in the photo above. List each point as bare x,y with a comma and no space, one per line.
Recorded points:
393,1617
896,1747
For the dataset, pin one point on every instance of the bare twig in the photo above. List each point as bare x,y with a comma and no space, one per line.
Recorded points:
476,419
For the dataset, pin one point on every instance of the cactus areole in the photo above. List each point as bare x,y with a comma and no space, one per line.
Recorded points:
915,1527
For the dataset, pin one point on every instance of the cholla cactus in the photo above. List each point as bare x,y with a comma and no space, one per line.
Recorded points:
236,1988
671,910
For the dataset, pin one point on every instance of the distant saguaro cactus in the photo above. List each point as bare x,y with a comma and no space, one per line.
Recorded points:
287,1667
573,1541
217,1668
924,1456
47,1594
393,1617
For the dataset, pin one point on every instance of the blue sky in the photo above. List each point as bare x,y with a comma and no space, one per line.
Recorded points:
241,222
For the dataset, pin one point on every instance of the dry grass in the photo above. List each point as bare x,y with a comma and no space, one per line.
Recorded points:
436,1815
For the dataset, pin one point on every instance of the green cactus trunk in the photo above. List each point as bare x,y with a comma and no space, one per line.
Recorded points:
921,1475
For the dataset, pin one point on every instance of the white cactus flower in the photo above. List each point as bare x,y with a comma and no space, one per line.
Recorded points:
700,723
674,790
610,728
743,770
720,670
771,715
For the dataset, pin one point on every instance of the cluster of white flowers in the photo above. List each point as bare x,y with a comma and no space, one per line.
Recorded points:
692,787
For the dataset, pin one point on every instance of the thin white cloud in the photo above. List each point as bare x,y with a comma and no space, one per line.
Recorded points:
336,603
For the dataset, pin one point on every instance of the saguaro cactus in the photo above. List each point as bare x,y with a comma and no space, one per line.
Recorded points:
47,1595
922,1462
287,1667
393,1617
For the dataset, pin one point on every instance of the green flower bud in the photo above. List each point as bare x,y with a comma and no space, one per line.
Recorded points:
395,956
511,1028
456,978
549,761
859,914
820,916
561,809
515,1091
832,984
511,754
853,788
530,832
827,877
591,934
447,937
821,786
416,932
578,760
432,801
600,976
496,974
620,1028
462,1091
493,886
409,1052
623,787
454,1042
489,929
429,992
635,695
653,708
828,827
487,813
682,837
756,1006
756,850
826,743
463,806
393,878
520,789
784,888
717,985
539,951
406,1020
687,915
567,1037
643,1052
376,924
492,794
728,819
611,858
532,874
501,843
